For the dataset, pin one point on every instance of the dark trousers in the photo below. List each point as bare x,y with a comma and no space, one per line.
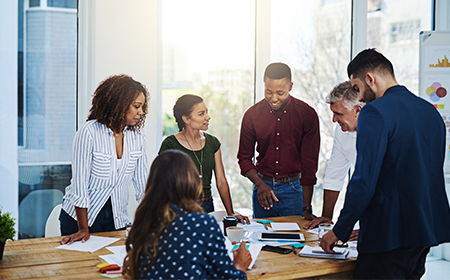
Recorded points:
103,222
207,205
400,263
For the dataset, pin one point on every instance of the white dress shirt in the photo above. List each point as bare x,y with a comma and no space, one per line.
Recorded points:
343,156
97,176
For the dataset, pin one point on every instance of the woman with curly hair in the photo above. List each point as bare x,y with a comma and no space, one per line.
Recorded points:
108,156
171,237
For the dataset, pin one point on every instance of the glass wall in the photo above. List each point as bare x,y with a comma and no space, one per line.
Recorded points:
393,27
208,50
46,102
313,38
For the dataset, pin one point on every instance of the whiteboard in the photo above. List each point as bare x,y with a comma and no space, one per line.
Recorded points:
434,76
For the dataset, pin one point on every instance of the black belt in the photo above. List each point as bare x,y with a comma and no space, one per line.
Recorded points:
280,180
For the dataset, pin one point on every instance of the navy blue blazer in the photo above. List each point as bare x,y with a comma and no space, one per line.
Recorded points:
397,190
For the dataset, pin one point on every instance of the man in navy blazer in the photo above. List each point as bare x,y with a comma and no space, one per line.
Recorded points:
397,190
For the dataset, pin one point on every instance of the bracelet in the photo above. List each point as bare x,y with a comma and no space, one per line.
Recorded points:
307,208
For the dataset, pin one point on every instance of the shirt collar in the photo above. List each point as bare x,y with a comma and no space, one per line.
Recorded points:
284,110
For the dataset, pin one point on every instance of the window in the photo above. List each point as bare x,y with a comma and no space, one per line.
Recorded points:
208,50
314,40
46,102
394,29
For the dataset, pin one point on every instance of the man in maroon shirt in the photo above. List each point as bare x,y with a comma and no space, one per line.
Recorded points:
286,131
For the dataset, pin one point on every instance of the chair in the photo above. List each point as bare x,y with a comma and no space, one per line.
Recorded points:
34,210
52,226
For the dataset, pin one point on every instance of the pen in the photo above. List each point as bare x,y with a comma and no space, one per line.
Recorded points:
293,249
265,227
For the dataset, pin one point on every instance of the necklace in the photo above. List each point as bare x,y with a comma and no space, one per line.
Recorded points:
201,156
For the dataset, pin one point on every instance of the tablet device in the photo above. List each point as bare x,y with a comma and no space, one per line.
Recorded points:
281,236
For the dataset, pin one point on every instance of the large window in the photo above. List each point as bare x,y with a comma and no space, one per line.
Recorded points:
46,98
208,50
393,27
313,38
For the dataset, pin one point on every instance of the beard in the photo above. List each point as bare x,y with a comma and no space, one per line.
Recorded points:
368,95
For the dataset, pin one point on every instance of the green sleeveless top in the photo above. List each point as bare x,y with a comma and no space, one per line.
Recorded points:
212,145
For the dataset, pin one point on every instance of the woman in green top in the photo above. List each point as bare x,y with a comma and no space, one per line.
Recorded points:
191,115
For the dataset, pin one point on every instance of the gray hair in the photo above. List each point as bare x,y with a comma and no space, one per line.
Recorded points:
345,92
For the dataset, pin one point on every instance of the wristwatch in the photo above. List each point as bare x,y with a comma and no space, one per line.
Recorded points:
307,208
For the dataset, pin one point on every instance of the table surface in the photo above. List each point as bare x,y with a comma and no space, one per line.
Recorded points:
38,258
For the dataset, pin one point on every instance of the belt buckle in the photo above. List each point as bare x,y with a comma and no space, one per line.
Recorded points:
274,180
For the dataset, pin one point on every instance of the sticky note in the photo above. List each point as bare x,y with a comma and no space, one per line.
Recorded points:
237,246
111,275
99,266
298,245
263,221
441,106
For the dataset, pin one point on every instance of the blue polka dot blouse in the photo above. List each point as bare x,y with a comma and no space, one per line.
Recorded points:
192,247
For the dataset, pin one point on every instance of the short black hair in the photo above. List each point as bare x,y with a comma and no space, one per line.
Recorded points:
369,60
278,71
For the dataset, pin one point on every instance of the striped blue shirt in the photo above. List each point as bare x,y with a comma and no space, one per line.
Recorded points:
95,177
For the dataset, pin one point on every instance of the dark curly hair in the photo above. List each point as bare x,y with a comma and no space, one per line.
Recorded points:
112,100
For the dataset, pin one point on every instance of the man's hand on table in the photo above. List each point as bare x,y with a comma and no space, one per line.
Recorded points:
265,196
327,242
81,234
309,216
316,221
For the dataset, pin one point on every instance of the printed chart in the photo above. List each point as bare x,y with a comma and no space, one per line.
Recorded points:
437,58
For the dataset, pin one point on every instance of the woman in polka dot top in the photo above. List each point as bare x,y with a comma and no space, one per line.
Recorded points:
171,237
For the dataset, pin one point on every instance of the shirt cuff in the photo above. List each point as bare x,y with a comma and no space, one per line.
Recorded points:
332,185
307,181
247,167
78,201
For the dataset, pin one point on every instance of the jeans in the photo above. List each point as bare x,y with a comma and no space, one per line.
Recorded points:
207,205
290,196
103,222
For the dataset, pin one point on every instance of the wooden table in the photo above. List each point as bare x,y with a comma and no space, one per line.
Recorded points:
38,259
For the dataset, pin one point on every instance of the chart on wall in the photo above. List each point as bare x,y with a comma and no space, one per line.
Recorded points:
434,75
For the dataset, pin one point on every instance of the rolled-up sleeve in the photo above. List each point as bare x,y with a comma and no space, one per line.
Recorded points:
310,150
247,142
337,166
141,172
81,168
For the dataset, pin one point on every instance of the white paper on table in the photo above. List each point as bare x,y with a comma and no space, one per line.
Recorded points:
285,226
113,259
314,231
120,250
93,244
119,255
254,250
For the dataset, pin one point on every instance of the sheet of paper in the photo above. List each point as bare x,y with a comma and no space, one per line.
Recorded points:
285,227
253,248
119,255
121,249
113,259
93,244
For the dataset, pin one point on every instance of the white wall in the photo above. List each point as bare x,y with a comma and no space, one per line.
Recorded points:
9,196
121,37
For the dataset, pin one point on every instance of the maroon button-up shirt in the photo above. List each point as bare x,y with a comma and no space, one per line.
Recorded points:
288,141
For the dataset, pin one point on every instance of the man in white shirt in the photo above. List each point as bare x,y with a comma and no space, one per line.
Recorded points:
345,105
